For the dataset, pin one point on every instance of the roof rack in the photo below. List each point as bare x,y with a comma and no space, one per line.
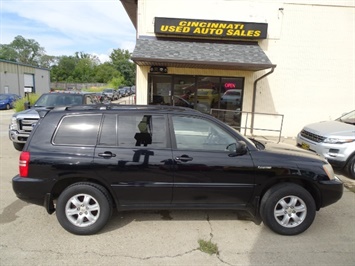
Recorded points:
122,107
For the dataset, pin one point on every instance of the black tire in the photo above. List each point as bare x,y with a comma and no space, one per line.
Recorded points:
18,146
287,209
88,217
8,107
350,167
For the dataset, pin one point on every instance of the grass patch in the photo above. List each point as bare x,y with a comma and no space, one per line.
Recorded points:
20,104
208,247
95,89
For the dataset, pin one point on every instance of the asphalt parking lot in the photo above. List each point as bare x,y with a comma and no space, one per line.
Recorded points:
29,236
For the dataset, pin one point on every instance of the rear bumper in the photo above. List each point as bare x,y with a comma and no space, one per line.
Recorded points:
30,189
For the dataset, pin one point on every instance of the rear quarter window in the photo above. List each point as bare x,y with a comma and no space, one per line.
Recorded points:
80,130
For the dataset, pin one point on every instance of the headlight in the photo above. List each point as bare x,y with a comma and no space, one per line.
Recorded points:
329,170
338,141
13,125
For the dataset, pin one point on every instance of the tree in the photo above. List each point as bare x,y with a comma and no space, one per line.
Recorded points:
121,59
64,69
84,70
106,72
26,51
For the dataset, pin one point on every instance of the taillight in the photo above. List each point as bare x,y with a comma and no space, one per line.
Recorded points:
23,163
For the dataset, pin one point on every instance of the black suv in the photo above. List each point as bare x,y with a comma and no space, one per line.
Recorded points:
83,161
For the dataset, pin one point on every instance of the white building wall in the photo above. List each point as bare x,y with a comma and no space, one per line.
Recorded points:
42,81
314,78
311,42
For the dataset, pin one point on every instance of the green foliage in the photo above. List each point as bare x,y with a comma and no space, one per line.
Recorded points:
80,67
26,51
208,247
121,59
95,89
105,72
116,82
20,104
63,70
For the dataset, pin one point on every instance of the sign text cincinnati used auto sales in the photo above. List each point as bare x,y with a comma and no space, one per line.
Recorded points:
209,28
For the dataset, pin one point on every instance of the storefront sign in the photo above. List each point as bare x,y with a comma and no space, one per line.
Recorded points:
210,28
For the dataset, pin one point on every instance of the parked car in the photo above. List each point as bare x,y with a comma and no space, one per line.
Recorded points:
133,89
128,90
207,97
16,96
124,91
232,97
333,140
23,122
163,157
110,93
7,101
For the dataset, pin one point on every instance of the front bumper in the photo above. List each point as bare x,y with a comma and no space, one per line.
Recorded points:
332,191
17,137
334,153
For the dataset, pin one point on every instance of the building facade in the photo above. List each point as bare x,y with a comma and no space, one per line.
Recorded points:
291,59
19,78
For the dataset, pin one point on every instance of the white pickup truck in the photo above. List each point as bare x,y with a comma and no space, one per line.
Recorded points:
23,122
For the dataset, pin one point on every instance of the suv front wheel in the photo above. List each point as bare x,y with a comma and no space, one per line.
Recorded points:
350,167
84,208
287,209
18,146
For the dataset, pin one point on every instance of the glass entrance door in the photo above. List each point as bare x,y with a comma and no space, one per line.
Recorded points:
160,89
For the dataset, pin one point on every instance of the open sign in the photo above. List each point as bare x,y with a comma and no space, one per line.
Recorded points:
229,85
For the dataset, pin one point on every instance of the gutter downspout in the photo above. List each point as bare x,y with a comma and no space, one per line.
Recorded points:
254,98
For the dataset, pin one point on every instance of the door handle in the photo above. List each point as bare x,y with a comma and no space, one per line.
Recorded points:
183,158
107,154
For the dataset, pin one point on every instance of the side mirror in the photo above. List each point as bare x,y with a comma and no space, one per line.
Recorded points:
237,149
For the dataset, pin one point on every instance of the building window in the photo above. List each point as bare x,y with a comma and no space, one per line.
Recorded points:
199,92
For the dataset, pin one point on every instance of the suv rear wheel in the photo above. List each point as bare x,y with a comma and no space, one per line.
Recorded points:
288,209
84,208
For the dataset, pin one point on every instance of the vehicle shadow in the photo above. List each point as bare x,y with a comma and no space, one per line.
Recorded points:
349,183
121,219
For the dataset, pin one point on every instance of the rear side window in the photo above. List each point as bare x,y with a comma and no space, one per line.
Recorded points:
78,130
134,131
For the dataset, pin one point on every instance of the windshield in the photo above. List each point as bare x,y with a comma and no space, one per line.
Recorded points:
258,144
232,92
4,97
249,141
348,118
59,100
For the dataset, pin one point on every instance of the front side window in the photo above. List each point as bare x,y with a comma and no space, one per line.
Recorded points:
141,130
200,134
78,130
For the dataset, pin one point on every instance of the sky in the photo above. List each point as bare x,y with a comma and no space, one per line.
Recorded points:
64,27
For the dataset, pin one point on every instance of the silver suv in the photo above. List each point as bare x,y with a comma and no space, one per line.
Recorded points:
334,140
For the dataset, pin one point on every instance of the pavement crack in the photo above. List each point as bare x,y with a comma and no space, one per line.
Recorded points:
211,229
218,255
